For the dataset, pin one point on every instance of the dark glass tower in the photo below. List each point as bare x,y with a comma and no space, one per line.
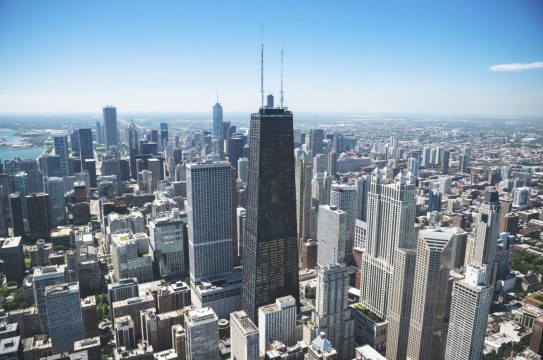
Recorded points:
270,253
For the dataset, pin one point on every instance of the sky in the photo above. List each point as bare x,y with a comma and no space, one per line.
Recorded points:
437,57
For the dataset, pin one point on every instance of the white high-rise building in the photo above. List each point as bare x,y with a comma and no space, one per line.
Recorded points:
413,166
130,257
202,332
521,197
331,235
166,239
277,322
321,184
43,277
390,225
209,211
471,301
63,305
344,197
445,184
244,337
332,312
320,164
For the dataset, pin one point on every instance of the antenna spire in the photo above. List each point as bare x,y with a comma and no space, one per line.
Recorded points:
217,96
334,257
282,98
262,67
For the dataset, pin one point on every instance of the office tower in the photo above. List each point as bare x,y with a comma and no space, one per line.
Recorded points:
163,137
157,328
16,213
315,141
21,186
445,162
464,160
331,235
54,187
445,185
202,329
217,121
244,337
270,250
487,234
303,177
99,133
89,312
74,143
436,252
132,307
241,217
34,176
391,218
110,125
536,341
309,254
235,149
470,305
344,197
61,150
7,186
362,189
320,163
243,169
153,165
133,138
400,302
130,257
332,163
332,312
50,165
509,223
434,201
209,206
277,322
89,166
86,150
111,167
124,332
12,255
63,306
43,277
413,166
166,239
122,290
321,184
39,216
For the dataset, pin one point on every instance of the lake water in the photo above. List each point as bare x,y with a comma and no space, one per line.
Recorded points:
8,153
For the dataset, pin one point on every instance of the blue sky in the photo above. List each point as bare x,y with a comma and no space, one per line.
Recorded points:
344,56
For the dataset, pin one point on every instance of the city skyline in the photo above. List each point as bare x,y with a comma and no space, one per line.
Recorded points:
361,57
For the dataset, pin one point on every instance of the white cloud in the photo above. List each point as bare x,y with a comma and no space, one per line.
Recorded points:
516,67
5,96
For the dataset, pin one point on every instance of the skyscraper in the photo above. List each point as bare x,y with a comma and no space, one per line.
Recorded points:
436,251
110,124
344,197
166,234
202,329
471,300
303,177
270,241
209,199
391,219
64,317
277,321
331,235
244,337
133,137
39,216
44,277
487,234
86,150
61,150
54,186
163,135
99,138
217,121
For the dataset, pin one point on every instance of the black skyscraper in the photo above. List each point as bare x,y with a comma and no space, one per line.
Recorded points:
269,248
85,145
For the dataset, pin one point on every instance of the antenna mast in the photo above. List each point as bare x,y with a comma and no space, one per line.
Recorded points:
282,92
262,67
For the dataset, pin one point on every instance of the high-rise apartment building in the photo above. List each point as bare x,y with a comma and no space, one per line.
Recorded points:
217,121
390,225
110,125
61,149
244,337
277,322
270,252
471,301
63,306
209,213
332,312
436,251
202,328
344,197
167,245
303,177
331,235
